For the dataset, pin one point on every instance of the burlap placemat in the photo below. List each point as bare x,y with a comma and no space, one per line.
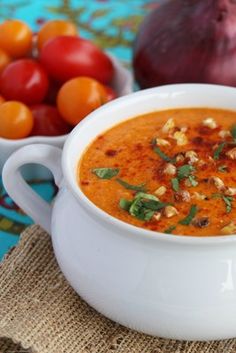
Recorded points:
40,311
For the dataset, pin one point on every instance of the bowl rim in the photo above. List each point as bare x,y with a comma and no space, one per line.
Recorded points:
126,228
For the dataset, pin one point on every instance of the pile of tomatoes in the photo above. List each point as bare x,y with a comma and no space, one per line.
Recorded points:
49,81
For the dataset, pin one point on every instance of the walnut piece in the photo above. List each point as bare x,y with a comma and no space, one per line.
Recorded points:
181,138
169,169
170,211
160,191
162,142
209,122
182,195
192,156
224,133
169,126
219,184
231,153
229,228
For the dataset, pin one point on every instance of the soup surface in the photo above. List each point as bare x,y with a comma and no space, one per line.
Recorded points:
168,171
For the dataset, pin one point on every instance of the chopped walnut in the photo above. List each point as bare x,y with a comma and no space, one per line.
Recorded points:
200,222
209,122
224,133
219,184
170,211
199,196
201,163
162,142
160,191
182,195
230,191
157,216
229,228
181,138
169,169
192,156
231,153
169,126
180,158
184,128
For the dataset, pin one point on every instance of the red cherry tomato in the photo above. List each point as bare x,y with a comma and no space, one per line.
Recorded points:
111,94
2,100
67,57
24,80
47,121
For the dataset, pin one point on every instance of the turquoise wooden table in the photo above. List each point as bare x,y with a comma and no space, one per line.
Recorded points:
112,24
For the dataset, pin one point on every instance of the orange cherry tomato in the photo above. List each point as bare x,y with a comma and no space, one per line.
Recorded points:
53,29
4,60
2,100
16,120
15,38
79,97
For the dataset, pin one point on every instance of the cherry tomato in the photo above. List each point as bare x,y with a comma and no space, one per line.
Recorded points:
67,57
16,120
55,28
53,89
111,94
79,97
15,38
4,60
24,80
47,121
2,100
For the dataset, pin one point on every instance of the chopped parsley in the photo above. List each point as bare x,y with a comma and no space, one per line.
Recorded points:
140,187
175,184
185,171
192,180
188,219
227,200
163,155
105,173
143,206
218,150
170,229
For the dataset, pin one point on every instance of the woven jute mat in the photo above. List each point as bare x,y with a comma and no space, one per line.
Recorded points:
40,312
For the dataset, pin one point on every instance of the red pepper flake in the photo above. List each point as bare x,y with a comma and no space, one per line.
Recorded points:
111,153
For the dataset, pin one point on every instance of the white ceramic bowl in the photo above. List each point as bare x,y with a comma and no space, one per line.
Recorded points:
161,284
122,83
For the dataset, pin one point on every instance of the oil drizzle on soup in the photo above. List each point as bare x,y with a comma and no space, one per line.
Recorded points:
169,171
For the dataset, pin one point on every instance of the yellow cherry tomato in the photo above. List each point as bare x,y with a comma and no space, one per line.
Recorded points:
79,97
16,120
55,28
15,38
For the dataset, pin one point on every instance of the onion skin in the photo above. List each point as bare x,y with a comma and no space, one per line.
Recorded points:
187,41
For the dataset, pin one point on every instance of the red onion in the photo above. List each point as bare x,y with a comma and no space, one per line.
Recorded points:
187,41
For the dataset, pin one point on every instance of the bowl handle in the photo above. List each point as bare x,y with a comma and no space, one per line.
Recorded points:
20,191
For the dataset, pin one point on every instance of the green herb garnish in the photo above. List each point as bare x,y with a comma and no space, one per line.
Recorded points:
185,171
125,204
218,150
170,229
175,184
192,179
233,131
143,206
223,169
188,219
163,155
227,200
140,187
105,173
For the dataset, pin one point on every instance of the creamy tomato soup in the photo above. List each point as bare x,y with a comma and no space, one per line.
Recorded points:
168,171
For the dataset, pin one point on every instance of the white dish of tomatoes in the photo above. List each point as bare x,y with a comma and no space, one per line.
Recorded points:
49,82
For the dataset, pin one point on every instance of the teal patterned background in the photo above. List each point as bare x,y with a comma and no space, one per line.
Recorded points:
112,24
